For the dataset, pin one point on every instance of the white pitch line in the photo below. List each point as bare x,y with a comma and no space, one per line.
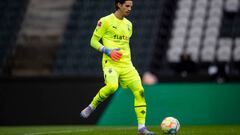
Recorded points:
57,132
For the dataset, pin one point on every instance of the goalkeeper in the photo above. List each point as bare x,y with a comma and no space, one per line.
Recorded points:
115,31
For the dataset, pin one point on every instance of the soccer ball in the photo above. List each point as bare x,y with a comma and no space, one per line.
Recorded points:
170,125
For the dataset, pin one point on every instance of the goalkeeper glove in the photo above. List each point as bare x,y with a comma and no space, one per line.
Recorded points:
114,54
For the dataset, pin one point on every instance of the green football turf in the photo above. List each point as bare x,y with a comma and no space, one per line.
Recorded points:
114,130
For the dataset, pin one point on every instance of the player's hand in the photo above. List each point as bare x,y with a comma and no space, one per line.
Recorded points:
115,54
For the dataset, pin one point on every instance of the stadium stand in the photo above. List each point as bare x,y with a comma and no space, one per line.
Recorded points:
41,33
159,65
54,39
11,17
207,30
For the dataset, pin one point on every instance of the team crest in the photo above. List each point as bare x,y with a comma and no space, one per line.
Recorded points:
110,70
99,24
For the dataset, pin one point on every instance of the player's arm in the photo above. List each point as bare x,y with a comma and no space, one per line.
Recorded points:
114,54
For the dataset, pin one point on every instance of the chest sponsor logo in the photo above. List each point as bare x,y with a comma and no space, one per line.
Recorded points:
119,37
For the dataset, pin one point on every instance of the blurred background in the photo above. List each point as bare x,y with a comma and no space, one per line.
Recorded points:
186,51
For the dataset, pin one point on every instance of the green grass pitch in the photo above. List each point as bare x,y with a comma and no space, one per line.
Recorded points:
114,130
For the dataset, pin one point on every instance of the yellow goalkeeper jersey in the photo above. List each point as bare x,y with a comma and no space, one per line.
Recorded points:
115,33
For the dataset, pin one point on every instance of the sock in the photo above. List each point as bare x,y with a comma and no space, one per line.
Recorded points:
90,105
140,126
141,114
140,107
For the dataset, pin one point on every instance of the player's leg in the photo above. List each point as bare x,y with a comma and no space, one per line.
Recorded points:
132,80
129,77
139,101
111,81
140,106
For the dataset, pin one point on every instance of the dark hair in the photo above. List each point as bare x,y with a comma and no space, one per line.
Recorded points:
121,2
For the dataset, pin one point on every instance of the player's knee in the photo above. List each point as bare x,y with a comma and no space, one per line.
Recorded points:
139,93
112,87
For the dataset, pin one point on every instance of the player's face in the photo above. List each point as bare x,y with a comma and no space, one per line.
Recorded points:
126,7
